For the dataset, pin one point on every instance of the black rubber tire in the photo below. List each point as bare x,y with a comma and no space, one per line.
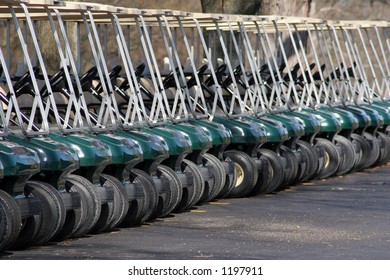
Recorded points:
230,181
375,149
219,174
151,194
30,227
302,160
141,209
53,211
332,158
276,171
10,221
348,158
387,157
312,162
207,193
320,156
264,176
291,172
5,222
72,221
384,148
175,188
189,194
364,152
119,206
111,211
90,209
247,174
196,192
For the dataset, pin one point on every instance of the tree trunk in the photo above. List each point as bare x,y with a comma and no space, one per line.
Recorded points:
249,7
48,47
258,7
285,7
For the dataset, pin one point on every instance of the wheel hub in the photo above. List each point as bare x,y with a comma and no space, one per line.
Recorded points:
240,174
326,159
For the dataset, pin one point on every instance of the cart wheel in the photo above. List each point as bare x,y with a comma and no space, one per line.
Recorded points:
230,181
90,209
364,152
276,171
347,160
291,172
311,160
219,174
72,221
247,174
150,194
385,148
5,219
145,208
10,221
374,147
264,176
198,184
175,188
302,165
53,211
30,227
188,194
331,158
111,210
119,205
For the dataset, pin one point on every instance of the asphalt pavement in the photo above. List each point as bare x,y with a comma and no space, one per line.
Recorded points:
340,218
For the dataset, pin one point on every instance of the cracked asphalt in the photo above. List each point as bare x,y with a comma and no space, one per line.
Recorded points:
339,218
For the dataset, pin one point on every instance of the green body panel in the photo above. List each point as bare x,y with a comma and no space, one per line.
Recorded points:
383,109
294,126
200,137
377,119
347,119
363,118
124,150
179,143
244,131
153,146
382,104
310,122
276,131
329,123
53,156
220,135
91,152
17,160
